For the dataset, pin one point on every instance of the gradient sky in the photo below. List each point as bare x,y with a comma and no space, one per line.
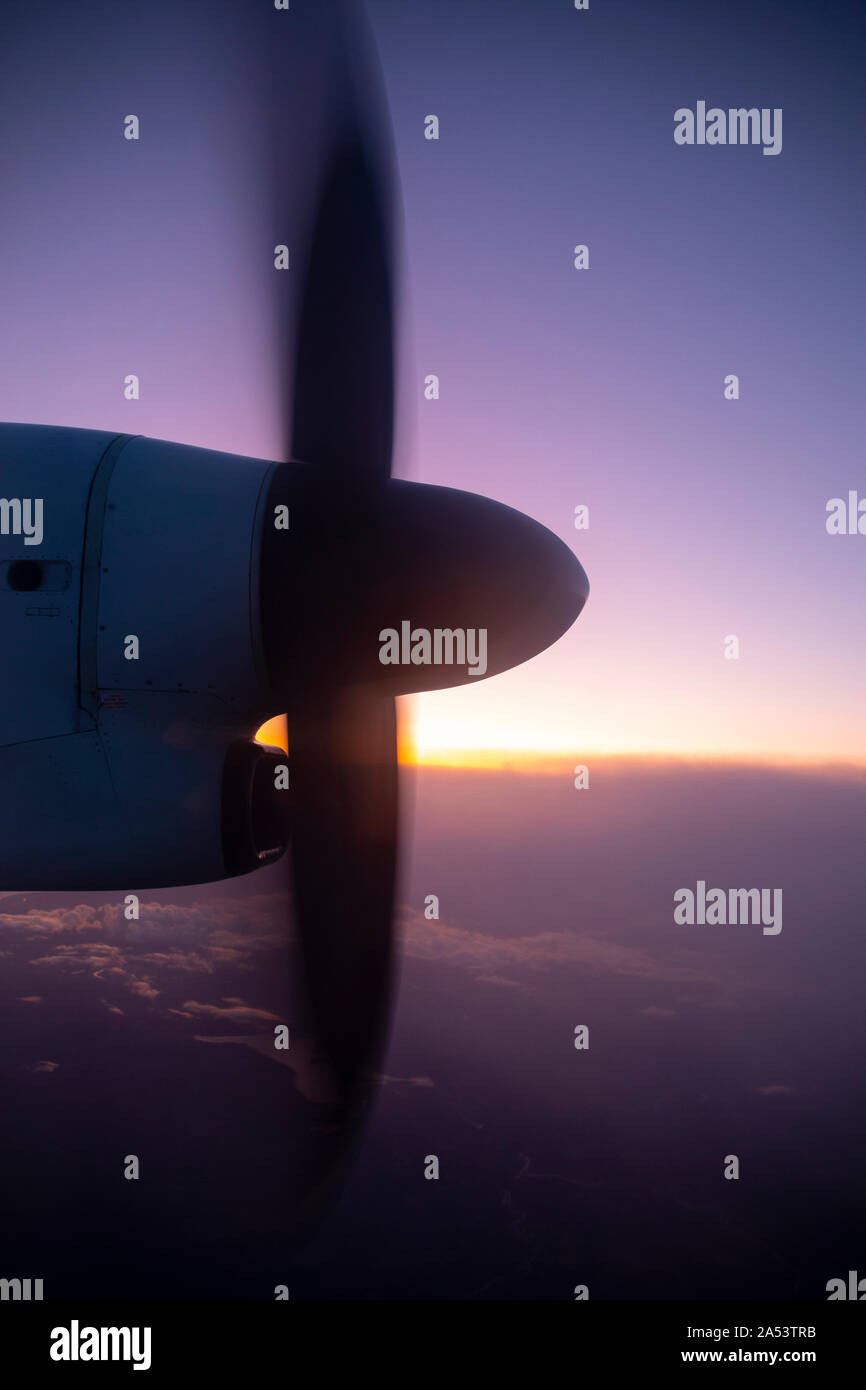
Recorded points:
707,518
605,387
558,387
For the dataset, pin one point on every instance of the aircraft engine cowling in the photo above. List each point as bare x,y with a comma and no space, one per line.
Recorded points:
133,679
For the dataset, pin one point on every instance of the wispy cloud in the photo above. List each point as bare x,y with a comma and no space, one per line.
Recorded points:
231,1011
196,938
491,958
313,1078
103,962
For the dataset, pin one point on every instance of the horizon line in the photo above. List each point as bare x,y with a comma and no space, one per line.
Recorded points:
555,763
552,762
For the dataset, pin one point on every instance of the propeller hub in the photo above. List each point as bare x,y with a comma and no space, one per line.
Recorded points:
408,587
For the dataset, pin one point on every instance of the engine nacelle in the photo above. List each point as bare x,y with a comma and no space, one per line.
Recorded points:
133,665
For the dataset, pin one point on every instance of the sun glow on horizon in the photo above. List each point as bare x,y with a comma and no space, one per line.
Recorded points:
274,733
421,752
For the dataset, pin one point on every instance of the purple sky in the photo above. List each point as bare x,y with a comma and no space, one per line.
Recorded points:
558,387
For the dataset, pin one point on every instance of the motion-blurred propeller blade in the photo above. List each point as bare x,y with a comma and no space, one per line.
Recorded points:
338,412
368,557
342,353
343,855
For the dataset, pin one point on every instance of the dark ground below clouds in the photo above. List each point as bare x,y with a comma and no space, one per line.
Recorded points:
558,1166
